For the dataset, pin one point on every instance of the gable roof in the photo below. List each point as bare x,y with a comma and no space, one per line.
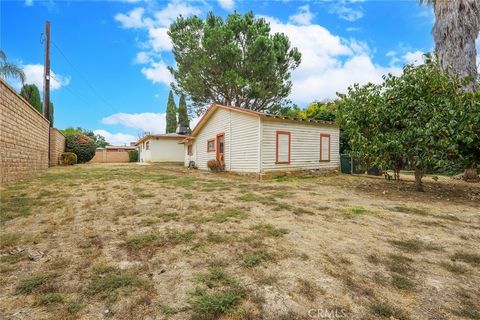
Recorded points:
262,115
160,136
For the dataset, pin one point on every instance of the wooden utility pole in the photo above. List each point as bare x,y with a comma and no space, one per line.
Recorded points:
46,74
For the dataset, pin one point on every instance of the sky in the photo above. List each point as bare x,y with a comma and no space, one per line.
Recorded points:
109,58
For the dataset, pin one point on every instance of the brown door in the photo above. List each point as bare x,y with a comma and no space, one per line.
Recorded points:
221,148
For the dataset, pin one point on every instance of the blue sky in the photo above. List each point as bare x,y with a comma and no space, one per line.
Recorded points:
109,58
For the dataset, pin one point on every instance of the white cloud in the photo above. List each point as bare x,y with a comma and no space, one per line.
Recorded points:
34,74
157,72
154,123
116,139
303,17
132,19
227,4
156,24
330,63
345,12
415,57
28,3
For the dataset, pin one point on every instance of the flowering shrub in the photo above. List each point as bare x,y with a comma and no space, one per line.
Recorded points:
68,158
214,165
83,146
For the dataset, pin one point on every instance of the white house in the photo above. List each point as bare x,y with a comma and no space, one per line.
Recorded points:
160,148
249,141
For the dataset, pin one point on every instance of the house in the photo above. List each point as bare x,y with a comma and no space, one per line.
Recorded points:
248,141
111,154
160,148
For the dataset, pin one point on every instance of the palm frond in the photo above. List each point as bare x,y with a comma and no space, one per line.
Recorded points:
10,70
3,56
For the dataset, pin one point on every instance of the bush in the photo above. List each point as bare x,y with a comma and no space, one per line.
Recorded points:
214,165
83,146
68,159
133,155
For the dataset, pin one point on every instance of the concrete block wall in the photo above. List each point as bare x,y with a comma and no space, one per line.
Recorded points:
110,156
57,146
24,136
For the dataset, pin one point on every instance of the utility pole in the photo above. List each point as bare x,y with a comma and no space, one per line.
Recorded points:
46,74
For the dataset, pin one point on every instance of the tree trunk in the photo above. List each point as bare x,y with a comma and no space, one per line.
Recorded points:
418,179
457,24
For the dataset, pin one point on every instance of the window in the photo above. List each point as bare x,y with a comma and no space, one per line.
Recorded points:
147,145
325,147
190,150
211,145
283,147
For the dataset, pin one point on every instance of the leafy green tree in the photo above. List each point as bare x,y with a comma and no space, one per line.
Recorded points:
31,93
236,61
420,116
8,69
171,116
98,139
324,111
183,113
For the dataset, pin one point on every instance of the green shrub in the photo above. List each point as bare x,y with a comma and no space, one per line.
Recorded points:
68,158
133,155
83,146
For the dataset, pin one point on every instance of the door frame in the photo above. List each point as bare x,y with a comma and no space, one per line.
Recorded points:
217,146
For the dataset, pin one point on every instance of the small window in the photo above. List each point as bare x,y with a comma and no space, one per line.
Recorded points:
283,147
325,147
211,145
147,145
190,150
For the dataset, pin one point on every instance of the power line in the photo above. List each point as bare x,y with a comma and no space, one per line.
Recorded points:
83,78
82,97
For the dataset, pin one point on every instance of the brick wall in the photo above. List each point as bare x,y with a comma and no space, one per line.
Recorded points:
23,137
57,146
110,156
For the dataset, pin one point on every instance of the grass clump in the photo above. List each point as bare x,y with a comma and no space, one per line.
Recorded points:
255,258
8,239
471,258
269,230
385,310
73,306
51,298
226,215
107,281
249,197
454,267
216,237
142,241
31,284
16,205
359,210
409,210
217,293
169,310
402,282
412,245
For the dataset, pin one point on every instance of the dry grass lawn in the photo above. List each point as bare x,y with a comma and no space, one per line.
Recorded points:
161,242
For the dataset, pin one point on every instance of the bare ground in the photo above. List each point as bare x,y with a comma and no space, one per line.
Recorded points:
162,242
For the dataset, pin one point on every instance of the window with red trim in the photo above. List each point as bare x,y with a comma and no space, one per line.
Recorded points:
325,147
282,150
211,145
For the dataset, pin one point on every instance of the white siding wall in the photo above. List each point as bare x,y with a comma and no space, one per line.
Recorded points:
244,142
165,150
305,146
218,123
241,141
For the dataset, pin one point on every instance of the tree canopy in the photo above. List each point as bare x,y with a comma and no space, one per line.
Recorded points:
98,139
31,93
236,61
183,120
420,116
171,116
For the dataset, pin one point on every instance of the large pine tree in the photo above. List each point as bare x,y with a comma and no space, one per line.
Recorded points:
171,116
183,113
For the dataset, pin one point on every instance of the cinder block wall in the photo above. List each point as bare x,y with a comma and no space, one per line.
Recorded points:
111,156
23,137
57,146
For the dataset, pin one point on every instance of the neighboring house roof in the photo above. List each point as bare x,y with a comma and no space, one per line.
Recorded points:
160,136
261,115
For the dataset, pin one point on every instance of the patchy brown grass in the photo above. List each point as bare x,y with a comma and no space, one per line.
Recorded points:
159,241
